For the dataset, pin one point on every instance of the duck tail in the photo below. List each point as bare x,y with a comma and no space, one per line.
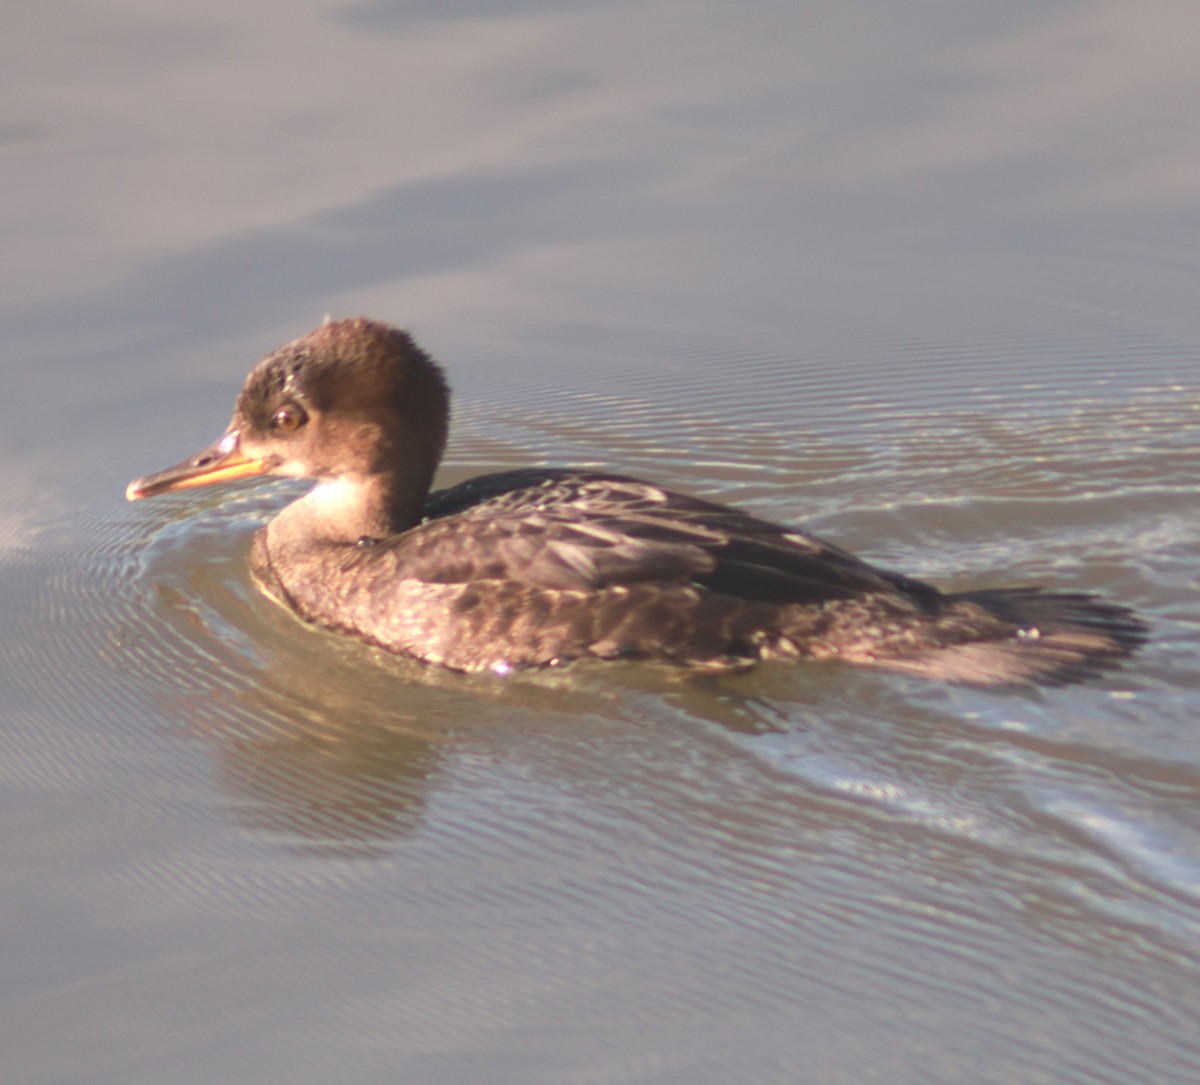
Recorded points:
1023,636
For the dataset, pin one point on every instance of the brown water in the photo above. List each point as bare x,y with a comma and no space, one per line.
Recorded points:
922,277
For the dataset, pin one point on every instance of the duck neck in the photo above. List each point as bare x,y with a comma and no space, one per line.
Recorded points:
347,509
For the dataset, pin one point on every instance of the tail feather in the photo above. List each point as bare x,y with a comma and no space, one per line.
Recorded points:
1024,636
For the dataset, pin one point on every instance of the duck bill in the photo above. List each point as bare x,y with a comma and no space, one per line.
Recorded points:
220,462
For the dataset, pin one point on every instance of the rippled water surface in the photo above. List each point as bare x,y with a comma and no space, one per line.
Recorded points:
922,277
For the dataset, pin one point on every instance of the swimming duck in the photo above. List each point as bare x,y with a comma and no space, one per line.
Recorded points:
533,568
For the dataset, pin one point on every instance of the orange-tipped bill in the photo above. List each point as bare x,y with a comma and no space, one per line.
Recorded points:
219,462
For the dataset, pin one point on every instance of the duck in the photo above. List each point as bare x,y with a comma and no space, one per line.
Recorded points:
535,568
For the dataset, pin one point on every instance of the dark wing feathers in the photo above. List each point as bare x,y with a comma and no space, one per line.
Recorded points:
789,568
555,548
572,530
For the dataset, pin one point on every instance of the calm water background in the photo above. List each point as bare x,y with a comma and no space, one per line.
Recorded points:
922,276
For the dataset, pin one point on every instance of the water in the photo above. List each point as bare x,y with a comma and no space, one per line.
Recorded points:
921,278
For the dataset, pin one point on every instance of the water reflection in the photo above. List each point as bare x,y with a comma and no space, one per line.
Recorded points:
325,782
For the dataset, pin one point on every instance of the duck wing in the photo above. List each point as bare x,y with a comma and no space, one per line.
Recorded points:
582,531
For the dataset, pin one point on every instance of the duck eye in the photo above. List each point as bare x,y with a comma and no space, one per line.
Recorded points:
289,419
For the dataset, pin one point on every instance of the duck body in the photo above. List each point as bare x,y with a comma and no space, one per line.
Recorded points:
538,567
529,568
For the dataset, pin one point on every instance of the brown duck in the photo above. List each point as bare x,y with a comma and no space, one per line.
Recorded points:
537,567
